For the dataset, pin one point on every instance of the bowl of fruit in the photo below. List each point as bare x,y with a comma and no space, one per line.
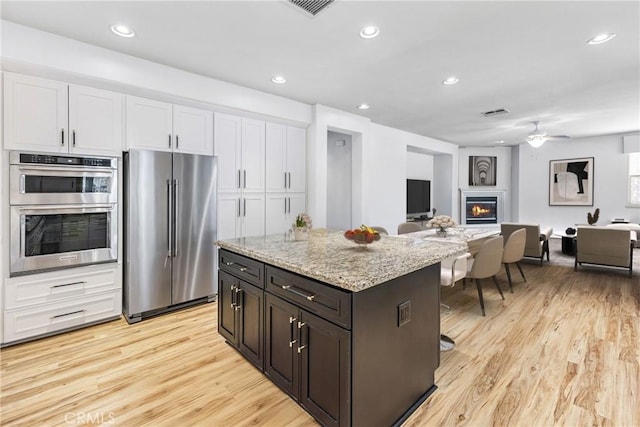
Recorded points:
364,235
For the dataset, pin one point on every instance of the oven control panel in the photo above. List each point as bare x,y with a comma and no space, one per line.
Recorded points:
46,159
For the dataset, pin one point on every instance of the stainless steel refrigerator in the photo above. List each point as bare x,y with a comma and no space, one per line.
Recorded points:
169,231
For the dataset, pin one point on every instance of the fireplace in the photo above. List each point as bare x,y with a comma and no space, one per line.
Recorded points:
481,210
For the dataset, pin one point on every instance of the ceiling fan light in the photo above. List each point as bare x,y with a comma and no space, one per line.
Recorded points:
536,141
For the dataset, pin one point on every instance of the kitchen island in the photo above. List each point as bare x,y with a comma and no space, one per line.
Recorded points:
351,333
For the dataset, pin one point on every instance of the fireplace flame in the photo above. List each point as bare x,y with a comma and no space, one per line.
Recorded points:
478,210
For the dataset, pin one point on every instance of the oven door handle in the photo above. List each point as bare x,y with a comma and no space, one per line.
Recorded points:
75,171
58,209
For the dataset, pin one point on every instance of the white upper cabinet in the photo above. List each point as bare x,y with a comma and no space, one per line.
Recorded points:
160,126
285,158
253,155
149,124
51,116
239,145
95,121
227,140
193,130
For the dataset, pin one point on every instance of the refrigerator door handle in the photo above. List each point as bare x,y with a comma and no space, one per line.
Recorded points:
175,217
169,217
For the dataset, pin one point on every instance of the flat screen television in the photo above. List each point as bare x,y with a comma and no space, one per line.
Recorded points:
418,198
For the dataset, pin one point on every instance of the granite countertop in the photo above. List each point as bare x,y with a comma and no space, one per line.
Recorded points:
328,257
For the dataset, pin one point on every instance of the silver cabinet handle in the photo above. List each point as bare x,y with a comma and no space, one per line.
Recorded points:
67,284
245,207
289,173
285,180
67,314
62,138
285,205
177,142
233,296
239,179
244,181
228,263
73,137
297,292
239,211
169,140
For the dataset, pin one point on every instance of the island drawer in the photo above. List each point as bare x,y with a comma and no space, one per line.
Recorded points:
249,270
323,300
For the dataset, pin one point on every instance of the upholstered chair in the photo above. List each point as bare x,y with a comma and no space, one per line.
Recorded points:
604,246
453,270
513,253
408,227
537,242
486,264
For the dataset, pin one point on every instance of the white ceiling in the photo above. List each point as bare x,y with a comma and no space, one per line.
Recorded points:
529,57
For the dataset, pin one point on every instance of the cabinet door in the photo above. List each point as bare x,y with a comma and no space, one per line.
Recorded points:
253,161
276,213
276,147
227,139
227,317
252,214
149,124
249,300
296,159
297,205
35,114
95,121
325,353
281,344
193,130
229,211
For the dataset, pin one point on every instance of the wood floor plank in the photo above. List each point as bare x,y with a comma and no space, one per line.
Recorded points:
561,350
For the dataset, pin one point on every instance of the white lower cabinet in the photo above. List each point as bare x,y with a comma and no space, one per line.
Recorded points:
281,211
42,304
240,215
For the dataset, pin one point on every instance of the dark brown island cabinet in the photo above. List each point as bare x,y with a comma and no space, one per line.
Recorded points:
363,358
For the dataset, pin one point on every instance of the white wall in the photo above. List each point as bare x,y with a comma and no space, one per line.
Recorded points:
610,182
419,166
339,181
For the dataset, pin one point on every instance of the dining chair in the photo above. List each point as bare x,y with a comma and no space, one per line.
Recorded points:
486,264
513,252
408,227
453,270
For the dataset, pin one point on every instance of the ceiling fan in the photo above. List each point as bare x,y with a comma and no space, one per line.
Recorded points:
538,137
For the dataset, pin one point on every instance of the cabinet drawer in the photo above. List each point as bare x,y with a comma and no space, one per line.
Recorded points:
246,269
45,319
323,300
45,288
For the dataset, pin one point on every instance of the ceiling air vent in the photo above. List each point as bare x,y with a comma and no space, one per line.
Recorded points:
495,112
312,6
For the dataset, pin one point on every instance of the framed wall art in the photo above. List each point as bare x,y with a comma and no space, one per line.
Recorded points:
571,182
482,170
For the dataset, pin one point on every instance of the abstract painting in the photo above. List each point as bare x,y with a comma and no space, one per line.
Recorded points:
571,182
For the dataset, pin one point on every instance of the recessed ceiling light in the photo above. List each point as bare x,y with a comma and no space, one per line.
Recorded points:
279,79
500,142
363,107
369,32
122,30
450,80
601,38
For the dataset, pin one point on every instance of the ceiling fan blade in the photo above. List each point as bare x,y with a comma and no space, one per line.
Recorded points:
552,137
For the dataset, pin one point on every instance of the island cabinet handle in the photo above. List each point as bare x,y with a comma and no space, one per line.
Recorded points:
229,263
292,321
300,347
238,305
295,291
233,296
68,284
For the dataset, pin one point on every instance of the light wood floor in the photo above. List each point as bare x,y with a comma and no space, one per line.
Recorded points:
562,350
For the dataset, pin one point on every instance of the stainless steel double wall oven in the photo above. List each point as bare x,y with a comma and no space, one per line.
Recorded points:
63,211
